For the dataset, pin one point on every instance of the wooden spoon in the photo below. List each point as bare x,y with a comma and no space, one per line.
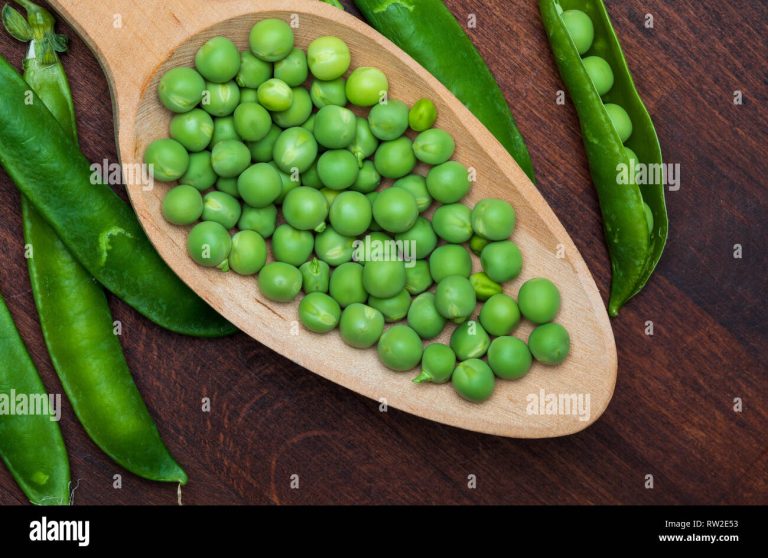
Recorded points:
137,42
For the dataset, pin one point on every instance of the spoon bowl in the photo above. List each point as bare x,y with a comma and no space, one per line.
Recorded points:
137,42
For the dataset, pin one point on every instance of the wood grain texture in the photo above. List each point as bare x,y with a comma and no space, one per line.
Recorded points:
672,414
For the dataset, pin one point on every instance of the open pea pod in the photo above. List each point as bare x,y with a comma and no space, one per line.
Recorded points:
635,243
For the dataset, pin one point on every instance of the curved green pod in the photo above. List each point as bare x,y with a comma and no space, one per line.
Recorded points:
31,445
634,250
429,32
98,228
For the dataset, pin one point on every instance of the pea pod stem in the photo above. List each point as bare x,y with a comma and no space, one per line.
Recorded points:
89,361
633,251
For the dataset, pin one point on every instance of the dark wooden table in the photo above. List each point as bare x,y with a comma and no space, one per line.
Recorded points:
672,415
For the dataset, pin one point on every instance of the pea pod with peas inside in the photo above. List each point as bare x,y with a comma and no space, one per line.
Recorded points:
618,134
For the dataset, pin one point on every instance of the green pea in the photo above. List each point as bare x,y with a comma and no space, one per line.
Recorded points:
221,99
346,285
291,245
228,186
500,314
394,308
168,158
316,276
450,259
193,129
449,182
319,313
259,185
549,343
469,340
261,151
262,220
395,210
580,28
375,227
249,253
275,95
305,209
199,173
295,148
324,93
288,183
434,146
493,219
309,125
417,277
335,127
383,279
437,364
333,247
599,71
424,317
224,129
218,60
366,86
368,179
209,244
455,298
181,89
351,213
539,300
253,71
620,120
361,326
271,40
509,358
477,243
400,348
279,281
395,159
311,178
417,186
337,169
248,95
422,115
453,223
221,208
299,111
229,158
252,121
328,57
182,205
473,380
388,120
484,286
330,195
501,261
365,143
293,68
418,241
648,217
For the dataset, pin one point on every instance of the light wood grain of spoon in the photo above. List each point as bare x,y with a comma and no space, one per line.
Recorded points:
136,42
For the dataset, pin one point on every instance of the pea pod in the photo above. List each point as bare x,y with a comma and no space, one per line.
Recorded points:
90,361
99,229
428,32
30,444
633,250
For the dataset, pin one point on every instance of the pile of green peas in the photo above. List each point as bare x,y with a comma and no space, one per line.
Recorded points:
582,31
279,178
